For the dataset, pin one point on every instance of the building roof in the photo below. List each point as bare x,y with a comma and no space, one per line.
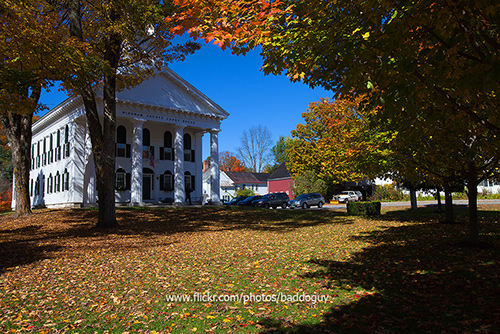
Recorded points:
164,96
246,177
281,173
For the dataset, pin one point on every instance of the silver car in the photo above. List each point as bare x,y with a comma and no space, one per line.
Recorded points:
305,201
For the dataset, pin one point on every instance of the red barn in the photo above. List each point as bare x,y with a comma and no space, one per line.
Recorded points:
280,181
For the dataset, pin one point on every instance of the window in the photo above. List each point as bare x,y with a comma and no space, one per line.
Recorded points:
38,155
146,142
166,181
166,152
51,152
65,182
44,155
122,148
188,181
66,142
58,145
50,184
37,187
57,186
188,151
122,180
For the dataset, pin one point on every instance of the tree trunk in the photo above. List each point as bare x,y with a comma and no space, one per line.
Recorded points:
17,128
448,203
102,137
413,199
472,194
106,192
438,196
104,161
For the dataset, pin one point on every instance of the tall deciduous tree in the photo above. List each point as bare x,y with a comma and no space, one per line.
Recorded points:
255,149
279,150
125,41
337,143
31,51
408,57
438,149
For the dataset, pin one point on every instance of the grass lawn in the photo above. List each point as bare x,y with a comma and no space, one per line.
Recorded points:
402,272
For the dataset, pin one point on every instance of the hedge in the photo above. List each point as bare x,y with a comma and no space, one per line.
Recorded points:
363,208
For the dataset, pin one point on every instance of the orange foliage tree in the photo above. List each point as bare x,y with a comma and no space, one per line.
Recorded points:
229,163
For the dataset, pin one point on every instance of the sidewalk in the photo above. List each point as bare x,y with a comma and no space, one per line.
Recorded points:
422,203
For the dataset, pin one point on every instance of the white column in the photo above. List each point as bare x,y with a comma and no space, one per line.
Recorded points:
198,179
214,167
136,175
13,203
77,156
179,188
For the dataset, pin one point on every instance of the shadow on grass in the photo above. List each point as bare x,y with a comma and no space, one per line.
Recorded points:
40,235
418,281
431,213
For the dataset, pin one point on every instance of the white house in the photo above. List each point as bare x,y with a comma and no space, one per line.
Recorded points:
160,126
230,182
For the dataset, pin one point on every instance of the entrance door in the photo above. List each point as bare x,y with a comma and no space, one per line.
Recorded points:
147,181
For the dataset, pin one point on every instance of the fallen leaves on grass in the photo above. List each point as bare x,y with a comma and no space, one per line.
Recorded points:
58,273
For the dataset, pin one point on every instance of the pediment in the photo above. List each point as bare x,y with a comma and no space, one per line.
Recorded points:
168,90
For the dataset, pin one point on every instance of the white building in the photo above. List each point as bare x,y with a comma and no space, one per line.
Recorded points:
230,182
160,126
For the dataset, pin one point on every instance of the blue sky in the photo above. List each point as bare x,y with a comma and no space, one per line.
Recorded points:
238,85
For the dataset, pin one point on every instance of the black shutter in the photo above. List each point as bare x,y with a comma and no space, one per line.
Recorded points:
162,182
127,181
161,154
127,153
192,182
192,155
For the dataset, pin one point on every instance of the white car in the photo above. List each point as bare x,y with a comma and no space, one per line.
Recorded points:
349,196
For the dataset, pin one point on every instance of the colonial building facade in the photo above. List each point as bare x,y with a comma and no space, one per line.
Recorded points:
160,126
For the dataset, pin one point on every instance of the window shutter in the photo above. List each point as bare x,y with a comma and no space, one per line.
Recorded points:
192,155
127,181
162,182
192,182
161,155
128,151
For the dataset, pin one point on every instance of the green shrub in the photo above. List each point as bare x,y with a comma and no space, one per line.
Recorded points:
244,192
363,208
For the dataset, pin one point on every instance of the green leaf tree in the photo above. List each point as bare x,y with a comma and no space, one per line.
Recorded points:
337,143
308,182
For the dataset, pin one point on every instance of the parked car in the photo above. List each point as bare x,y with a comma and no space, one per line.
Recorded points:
348,196
235,200
273,201
305,201
248,201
